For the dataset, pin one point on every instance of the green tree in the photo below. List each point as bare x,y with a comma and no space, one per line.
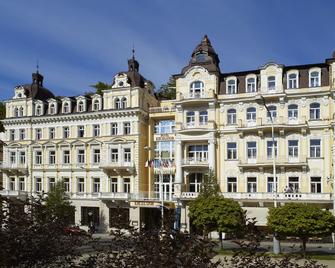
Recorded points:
302,220
2,115
58,204
167,91
100,86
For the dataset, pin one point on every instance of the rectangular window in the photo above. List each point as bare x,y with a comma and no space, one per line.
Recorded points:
12,157
252,185
232,185
52,183
195,182
114,130
126,128
164,126
22,157
66,182
81,131
198,153
22,184
203,117
22,134
114,185
114,155
66,132
269,146
293,184
38,133
96,156
38,184
66,157
96,185
12,134
38,157
271,186
315,148
52,157
126,185
293,148
252,149
315,184
90,215
96,130
190,118
127,155
80,185
231,150
81,156
51,133
12,184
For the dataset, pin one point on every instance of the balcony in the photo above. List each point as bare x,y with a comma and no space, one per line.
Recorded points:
189,195
195,162
164,109
196,127
12,193
118,167
195,97
101,196
14,168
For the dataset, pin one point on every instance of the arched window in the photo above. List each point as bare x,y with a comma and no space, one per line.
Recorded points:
314,111
251,85
272,112
292,81
231,116
38,110
52,108
251,114
231,87
117,103
96,105
66,107
21,111
314,79
271,83
16,112
197,89
124,103
80,106
292,111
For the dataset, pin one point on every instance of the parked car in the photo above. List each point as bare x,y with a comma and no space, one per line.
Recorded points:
75,231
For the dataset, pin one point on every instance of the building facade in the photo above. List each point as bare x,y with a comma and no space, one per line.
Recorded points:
125,149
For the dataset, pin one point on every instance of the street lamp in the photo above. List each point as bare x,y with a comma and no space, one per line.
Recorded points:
276,242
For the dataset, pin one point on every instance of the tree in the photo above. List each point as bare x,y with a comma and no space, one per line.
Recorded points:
301,220
167,91
2,115
100,86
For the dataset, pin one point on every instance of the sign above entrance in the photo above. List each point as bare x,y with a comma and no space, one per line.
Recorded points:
165,137
145,204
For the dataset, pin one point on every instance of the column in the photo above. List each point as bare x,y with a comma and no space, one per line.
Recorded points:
179,173
211,154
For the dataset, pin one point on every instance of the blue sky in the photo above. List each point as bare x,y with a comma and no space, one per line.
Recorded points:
81,42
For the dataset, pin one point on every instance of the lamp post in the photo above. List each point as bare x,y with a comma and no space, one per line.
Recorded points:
276,243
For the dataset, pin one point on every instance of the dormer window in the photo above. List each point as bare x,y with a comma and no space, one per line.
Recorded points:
231,86
96,105
38,110
197,89
52,108
124,103
16,112
292,81
271,83
80,106
66,107
251,85
314,79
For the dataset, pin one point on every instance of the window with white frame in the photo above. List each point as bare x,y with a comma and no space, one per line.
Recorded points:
251,184
127,155
190,118
315,148
38,157
124,103
66,157
314,79
12,184
269,147
203,117
66,132
114,130
20,112
271,186
231,184
22,184
52,157
293,148
231,150
12,157
251,85
271,83
195,180
12,134
126,128
251,114
292,111
117,104
316,185
164,126
231,86
314,111
38,185
196,89
38,133
38,110
231,116
96,105
81,156
164,150
66,107
96,130
52,108
22,134
81,106
16,112
292,81
272,113
52,183
114,155
51,133
113,186
252,149
96,156
22,157
66,182
126,185
96,185
80,185
293,184
198,153
81,131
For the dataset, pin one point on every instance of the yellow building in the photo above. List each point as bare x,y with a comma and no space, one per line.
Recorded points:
127,149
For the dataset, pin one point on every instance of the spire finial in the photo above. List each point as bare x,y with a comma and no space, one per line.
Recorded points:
37,66
133,51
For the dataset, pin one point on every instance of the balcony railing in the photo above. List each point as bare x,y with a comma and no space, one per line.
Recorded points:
13,193
281,160
195,161
162,109
209,125
197,95
280,121
5,165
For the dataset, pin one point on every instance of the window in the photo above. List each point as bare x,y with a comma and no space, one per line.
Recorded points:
117,102
196,89
126,128
251,85
272,113
12,157
66,108
231,116
66,182
81,156
292,111
80,185
252,149
314,79
198,153
20,111
51,133
231,87
251,114
124,103
38,133
66,157
231,185
80,106
38,157
12,134
164,126
200,57
52,108
315,148
66,132
113,128
114,185
315,184
51,183
22,134
190,118
251,184
293,148
127,155
203,117
126,185
293,184
314,111
271,187
114,155
96,156
38,110
22,184
12,184
292,81
195,182
52,157
38,184
269,146
16,112
96,105
271,83
165,150
231,150
81,131
22,157
96,185
96,130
